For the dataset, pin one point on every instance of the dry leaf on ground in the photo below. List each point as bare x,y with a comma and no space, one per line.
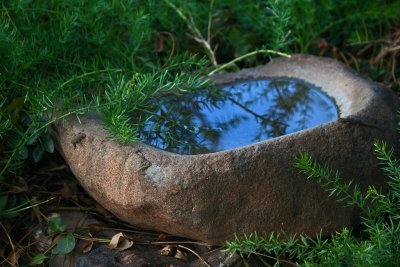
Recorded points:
119,242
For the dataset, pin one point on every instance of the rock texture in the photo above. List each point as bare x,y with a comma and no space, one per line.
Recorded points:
211,197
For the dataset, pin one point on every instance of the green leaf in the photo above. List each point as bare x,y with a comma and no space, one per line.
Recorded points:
37,154
65,245
56,225
48,144
38,259
32,139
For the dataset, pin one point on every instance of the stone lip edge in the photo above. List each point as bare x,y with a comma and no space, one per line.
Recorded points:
339,81
365,90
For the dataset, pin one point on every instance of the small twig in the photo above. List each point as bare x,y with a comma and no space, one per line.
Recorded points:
209,50
172,37
193,27
194,253
7,235
353,60
71,209
195,32
37,204
6,261
394,63
180,242
130,231
274,258
209,22
261,51
87,74
393,49
94,239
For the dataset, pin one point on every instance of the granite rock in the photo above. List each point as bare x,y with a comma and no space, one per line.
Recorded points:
210,197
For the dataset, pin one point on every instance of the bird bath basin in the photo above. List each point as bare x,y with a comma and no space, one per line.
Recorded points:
212,196
237,115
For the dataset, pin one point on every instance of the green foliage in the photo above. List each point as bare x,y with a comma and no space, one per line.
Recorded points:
56,225
58,57
11,207
63,241
38,259
135,97
280,24
380,241
344,192
295,26
65,244
340,22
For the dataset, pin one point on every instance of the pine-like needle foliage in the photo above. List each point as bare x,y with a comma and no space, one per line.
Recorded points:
379,244
63,58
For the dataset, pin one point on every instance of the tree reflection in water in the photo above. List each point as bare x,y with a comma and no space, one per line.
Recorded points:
237,115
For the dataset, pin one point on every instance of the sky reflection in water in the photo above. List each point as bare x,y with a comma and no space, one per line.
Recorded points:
237,115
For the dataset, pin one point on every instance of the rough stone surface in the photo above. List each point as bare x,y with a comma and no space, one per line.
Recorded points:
211,197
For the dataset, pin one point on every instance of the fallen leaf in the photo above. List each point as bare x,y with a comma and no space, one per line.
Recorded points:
119,242
14,256
115,240
181,255
124,244
166,251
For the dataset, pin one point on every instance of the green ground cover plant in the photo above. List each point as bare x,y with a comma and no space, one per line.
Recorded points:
114,57
379,241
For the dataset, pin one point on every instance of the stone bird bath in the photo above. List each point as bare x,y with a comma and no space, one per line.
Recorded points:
210,197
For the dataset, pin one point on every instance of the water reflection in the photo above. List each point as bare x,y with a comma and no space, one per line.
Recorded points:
236,115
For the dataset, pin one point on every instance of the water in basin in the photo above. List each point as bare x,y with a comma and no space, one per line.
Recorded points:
236,115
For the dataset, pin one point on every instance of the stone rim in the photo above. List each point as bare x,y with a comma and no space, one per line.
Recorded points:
347,109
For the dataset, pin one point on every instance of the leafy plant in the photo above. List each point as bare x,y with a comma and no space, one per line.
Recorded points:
135,98
379,244
117,56
9,209
63,241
